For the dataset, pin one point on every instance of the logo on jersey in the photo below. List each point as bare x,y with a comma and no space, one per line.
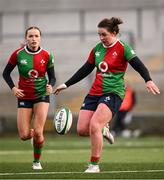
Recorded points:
105,75
22,103
83,105
23,61
132,51
42,62
33,73
97,53
103,66
114,54
107,99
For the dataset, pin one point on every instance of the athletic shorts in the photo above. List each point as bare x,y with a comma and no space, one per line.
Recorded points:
113,101
26,103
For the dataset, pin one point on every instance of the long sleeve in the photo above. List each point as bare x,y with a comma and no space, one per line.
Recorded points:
84,71
6,75
137,64
51,76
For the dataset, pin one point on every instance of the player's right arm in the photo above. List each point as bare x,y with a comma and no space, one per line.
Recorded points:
83,72
7,75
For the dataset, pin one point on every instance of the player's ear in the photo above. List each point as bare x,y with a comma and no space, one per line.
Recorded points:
22,44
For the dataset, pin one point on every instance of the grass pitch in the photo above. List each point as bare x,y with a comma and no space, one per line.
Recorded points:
66,156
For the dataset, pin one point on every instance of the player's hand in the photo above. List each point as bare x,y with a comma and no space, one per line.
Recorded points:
151,87
18,92
59,88
49,88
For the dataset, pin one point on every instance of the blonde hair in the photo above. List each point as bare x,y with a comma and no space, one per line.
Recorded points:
32,27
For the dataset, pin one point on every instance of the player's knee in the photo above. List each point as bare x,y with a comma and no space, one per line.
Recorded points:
82,131
24,136
94,128
38,133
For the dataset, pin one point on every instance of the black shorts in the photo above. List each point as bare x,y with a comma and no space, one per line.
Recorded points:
113,101
26,103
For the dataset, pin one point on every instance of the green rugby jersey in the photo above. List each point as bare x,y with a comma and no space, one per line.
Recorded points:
111,64
32,69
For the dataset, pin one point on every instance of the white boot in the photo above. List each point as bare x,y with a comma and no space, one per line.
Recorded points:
36,165
92,169
107,135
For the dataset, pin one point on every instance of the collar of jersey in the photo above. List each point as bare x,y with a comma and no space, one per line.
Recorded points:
110,45
29,52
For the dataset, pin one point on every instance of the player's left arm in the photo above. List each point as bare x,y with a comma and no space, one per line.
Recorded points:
51,74
137,64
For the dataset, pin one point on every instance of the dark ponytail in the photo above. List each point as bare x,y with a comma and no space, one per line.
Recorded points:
111,24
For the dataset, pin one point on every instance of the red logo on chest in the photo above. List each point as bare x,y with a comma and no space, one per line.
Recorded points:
103,66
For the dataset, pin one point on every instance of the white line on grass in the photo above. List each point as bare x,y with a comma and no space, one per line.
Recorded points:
103,172
17,152
57,151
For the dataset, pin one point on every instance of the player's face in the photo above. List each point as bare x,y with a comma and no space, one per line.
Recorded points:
106,37
33,39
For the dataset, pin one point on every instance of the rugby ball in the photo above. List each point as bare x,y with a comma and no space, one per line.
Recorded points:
63,120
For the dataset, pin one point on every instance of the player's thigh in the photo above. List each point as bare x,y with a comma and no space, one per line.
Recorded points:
24,116
101,116
84,120
40,114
